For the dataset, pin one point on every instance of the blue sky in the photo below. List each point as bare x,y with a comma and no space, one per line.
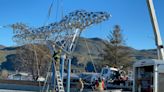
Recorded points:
131,15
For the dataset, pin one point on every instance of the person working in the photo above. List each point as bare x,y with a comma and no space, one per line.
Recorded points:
80,86
100,85
56,57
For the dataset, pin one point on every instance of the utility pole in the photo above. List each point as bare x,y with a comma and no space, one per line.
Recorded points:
158,40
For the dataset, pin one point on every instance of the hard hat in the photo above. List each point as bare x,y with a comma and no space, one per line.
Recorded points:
53,46
59,50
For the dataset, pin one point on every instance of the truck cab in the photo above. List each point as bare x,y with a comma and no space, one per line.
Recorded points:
109,73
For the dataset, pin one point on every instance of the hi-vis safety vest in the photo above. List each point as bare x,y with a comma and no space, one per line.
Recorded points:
100,86
56,56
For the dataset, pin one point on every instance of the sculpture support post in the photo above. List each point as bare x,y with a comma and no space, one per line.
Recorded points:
63,57
53,76
68,75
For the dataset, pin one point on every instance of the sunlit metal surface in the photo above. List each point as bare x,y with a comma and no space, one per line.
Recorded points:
61,32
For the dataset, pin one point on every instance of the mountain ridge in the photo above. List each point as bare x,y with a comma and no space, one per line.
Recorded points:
84,48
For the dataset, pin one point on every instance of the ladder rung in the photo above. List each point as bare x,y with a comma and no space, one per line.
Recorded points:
59,82
61,88
61,91
60,85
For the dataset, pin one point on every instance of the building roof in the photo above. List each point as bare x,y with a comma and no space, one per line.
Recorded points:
148,62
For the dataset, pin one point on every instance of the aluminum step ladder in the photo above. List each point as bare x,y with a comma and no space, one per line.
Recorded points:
59,82
60,87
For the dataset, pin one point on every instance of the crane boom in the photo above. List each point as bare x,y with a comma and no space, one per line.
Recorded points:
154,21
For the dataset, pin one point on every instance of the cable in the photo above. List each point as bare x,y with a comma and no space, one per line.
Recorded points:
50,9
57,8
49,13
90,55
4,26
37,64
48,74
62,8
1,26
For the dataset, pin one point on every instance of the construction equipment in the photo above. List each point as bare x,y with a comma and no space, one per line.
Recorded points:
115,78
157,35
149,74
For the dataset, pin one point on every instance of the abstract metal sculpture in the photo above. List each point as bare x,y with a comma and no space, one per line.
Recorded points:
62,33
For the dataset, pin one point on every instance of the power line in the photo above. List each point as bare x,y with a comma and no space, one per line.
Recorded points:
49,12
89,52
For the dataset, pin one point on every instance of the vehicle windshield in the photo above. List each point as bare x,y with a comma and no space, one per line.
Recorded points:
114,74
105,71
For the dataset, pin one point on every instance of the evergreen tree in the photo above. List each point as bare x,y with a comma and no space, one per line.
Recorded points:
116,53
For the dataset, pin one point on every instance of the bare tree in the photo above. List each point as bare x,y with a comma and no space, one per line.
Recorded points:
33,59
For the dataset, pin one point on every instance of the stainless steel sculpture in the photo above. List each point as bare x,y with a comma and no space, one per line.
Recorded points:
62,33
